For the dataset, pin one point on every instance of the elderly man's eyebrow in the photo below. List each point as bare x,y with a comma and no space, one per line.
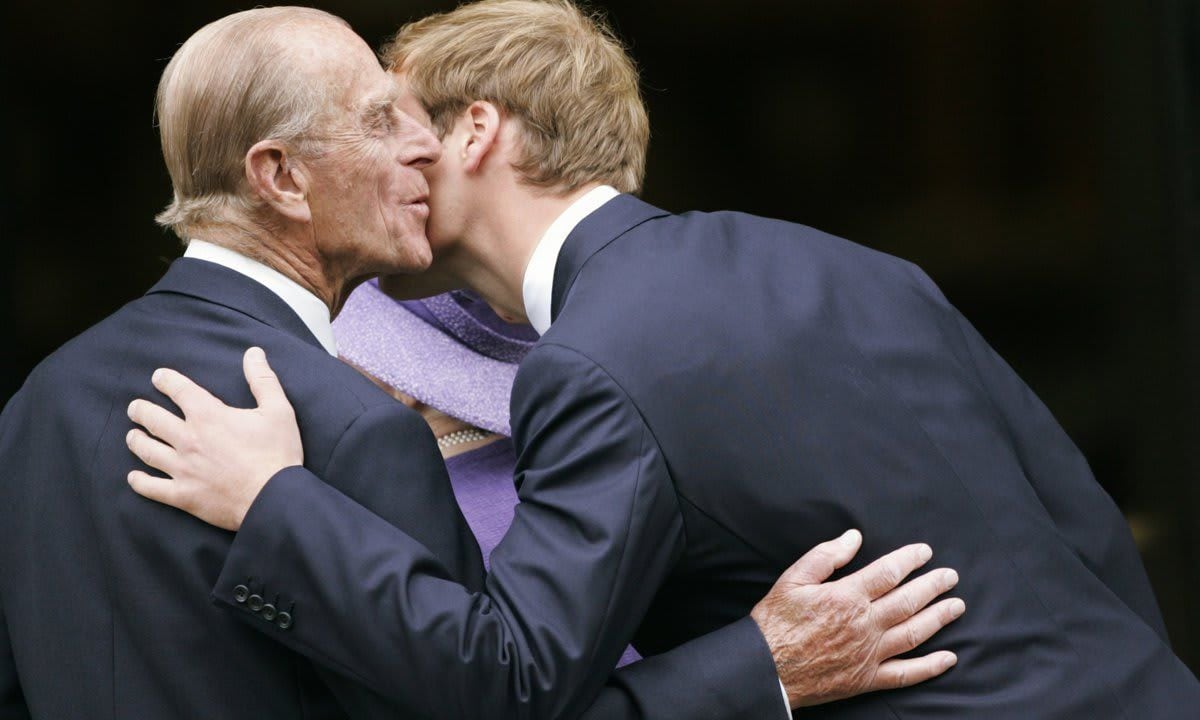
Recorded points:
380,106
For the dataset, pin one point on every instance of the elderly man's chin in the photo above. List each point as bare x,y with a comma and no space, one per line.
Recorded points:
408,247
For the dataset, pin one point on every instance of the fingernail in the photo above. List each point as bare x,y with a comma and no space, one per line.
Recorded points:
129,438
950,661
256,353
129,410
957,608
850,538
951,579
156,376
924,552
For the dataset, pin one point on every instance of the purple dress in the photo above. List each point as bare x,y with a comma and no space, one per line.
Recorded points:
483,485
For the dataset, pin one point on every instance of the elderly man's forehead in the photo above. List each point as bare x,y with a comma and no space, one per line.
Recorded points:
383,94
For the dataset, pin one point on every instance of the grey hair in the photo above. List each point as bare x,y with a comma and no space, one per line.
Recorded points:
234,83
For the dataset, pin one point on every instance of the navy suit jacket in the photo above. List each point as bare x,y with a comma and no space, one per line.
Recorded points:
104,609
717,394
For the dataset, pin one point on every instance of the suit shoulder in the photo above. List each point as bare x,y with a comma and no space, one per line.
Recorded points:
92,345
831,253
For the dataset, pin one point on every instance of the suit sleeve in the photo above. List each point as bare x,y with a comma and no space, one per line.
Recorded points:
595,534
1084,513
726,675
387,463
12,701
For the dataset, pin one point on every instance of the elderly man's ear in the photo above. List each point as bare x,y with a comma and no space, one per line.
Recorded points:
280,182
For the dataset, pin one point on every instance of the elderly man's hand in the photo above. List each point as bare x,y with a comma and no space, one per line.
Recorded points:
833,640
219,458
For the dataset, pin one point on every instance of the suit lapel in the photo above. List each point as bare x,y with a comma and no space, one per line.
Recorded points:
213,283
615,218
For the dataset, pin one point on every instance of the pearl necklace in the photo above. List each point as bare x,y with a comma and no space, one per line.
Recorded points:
460,437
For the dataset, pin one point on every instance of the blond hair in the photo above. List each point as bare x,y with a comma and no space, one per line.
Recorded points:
233,83
557,69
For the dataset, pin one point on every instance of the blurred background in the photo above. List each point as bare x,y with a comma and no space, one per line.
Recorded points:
1041,160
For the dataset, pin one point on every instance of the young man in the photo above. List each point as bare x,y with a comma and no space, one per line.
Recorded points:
711,394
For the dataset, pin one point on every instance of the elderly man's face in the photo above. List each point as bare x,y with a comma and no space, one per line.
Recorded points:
369,198
447,215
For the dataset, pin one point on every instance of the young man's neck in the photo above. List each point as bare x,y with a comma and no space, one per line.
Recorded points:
493,257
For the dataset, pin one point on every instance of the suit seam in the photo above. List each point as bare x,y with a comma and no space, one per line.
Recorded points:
975,503
341,383
135,305
367,411
315,652
625,545
645,432
571,280
641,416
112,623
750,546
301,705
674,485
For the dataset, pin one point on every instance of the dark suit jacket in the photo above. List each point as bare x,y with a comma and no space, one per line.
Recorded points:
719,393
104,608
104,594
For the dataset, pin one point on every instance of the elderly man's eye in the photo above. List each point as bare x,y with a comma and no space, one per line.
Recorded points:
380,120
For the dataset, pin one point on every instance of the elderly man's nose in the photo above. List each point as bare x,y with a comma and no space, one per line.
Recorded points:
423,148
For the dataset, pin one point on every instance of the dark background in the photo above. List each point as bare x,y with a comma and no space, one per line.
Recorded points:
1041,160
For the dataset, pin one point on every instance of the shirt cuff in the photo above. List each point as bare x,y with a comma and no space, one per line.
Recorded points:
787,706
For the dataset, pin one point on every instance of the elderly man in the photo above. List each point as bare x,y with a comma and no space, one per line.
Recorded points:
295,177
711,393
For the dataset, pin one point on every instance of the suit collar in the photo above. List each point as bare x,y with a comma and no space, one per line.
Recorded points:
213,283
538,285
615,218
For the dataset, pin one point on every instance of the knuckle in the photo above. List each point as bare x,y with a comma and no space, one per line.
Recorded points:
189,444
889,572
948,612
848,603
185,501
912,636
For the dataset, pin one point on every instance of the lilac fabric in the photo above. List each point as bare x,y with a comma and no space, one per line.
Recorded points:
449,351
483,485
453,353
469,319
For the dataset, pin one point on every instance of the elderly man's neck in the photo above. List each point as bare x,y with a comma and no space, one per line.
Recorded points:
296,261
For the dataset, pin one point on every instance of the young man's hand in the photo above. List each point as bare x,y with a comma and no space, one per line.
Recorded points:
218,458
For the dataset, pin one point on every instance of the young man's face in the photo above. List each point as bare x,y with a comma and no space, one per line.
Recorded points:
448,209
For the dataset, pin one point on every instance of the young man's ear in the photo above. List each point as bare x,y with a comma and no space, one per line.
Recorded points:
483,130
277,180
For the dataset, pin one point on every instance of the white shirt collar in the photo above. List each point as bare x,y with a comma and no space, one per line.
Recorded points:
311,309
539,273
